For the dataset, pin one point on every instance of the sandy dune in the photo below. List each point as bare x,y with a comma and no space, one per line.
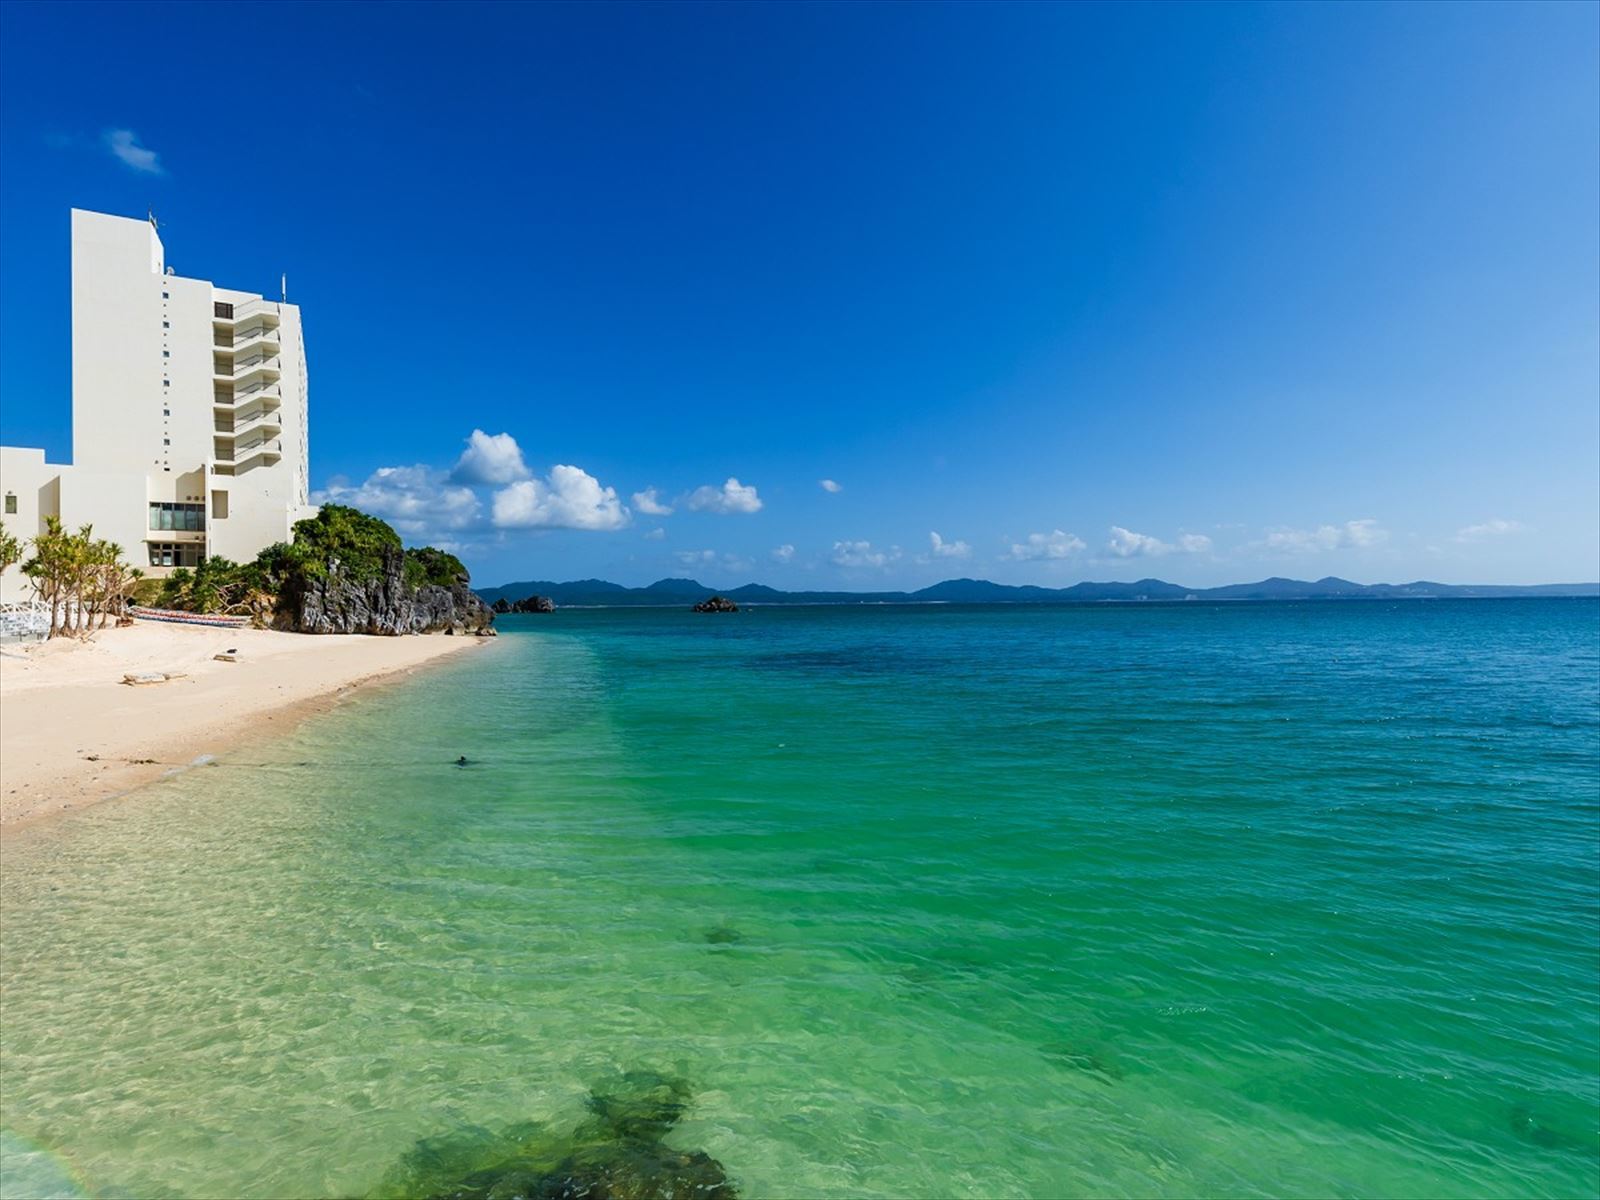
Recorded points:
69,726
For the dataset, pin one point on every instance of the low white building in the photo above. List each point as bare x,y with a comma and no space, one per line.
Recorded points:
189,421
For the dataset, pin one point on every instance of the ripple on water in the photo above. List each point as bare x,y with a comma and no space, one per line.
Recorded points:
1254,900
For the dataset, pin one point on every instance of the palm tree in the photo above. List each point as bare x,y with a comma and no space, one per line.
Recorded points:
10,549
78,576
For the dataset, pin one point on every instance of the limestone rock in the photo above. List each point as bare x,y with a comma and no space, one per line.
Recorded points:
386,604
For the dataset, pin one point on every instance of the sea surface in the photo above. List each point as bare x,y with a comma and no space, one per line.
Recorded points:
1144,900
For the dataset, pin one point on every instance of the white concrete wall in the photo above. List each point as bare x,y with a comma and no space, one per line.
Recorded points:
116,504
35,486
143,385
117,311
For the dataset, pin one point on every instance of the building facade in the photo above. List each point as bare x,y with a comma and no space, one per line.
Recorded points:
189,412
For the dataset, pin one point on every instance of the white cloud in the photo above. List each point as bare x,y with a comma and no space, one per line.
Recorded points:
650,504
1354,535
944,549
418,501
124,146
1055,544
861,554
1125,543
829,485
568,498
1498,527
731,497
655,535
490,459
696,558
783,553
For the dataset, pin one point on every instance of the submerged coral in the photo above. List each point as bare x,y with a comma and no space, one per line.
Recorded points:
615,1154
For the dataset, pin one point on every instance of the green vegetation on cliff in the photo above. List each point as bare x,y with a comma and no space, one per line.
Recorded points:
339,541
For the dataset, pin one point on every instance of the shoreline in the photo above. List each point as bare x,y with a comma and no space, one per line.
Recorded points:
73,735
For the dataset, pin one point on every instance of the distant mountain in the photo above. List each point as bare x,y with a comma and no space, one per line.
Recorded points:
677,587
583,593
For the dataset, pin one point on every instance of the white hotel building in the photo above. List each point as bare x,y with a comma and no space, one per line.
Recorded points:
189,433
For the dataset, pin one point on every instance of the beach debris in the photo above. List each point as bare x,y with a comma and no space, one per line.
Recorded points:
229,656
616,1153
144,678
723,935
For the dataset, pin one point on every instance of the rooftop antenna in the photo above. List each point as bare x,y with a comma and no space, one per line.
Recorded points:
154,224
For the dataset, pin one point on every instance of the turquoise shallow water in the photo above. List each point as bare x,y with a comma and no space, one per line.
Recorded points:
1238,900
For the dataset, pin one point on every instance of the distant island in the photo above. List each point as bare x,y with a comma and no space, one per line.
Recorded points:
598,593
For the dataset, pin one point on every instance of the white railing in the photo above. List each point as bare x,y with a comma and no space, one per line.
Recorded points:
242,339
249,308
246,424
241,452
24,620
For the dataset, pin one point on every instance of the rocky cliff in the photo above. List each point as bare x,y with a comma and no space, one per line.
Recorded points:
533,604
386,603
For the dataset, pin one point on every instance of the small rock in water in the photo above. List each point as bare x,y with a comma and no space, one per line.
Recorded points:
1083,1058
1531,1129
723,935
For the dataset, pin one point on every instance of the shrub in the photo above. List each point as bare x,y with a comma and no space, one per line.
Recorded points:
339,536
427,565
360,547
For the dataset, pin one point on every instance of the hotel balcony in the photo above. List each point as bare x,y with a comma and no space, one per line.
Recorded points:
257,368
266,422
234,454
258,311
268,395
260,339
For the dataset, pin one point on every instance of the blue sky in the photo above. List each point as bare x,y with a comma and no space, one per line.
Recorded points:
1205,293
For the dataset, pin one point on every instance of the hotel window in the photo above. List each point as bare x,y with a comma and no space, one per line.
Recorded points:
184,518
225,311
176,554
11,503
166,383
166,354
166,324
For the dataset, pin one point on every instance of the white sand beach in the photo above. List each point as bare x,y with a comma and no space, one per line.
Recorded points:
72,733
